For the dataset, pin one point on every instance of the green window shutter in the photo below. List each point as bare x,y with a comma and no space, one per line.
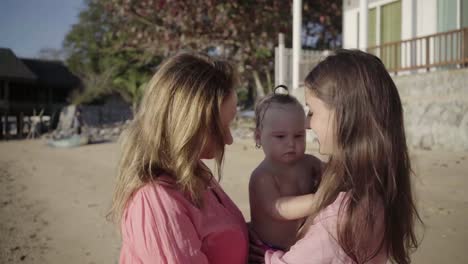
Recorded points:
446,15
391,22
464,23
464,13
390,31
445,47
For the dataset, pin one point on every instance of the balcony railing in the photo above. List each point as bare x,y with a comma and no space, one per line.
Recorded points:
442,49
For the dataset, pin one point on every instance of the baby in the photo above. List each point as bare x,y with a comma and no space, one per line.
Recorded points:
281,187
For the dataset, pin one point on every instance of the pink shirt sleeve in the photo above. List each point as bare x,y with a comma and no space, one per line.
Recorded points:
319,245
157,229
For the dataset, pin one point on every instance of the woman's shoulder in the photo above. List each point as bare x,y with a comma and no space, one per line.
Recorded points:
333,209
325,219
158,194
330,216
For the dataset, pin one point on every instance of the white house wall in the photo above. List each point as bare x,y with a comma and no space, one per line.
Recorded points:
350,20
426,22
419,18
408,17
350,29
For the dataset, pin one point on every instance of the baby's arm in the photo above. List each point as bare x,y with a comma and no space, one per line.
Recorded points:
294,207
265,196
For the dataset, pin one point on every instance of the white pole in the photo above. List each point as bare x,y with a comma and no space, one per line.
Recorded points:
363,13
281,57
297,21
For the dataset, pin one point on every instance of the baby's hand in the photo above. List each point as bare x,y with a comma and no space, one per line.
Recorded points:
256,251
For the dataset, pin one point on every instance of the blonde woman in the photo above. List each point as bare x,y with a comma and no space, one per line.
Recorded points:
169,206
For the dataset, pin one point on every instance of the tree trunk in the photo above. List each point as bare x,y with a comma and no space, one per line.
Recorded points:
134,108
258,84
269,83
250,96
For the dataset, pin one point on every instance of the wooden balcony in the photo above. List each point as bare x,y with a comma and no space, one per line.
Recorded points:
429,52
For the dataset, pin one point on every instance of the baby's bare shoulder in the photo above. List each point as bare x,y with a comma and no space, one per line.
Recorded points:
260,174
260,179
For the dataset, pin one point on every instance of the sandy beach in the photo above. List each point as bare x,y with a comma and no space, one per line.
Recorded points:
53,202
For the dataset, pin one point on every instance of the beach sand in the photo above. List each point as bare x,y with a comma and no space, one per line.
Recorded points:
53,202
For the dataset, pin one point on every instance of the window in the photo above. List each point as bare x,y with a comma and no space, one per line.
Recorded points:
446,15
390,22
464,13
390,31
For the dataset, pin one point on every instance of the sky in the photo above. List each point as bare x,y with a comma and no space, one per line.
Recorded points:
27,26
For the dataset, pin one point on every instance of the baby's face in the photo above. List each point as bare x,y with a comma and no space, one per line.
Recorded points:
282,135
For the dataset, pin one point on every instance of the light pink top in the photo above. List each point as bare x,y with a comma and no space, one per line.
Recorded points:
161,226
319,245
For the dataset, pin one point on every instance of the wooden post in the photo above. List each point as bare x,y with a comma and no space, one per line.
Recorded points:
2,102
20,124
465,47
7,110
29,126
7,125
49,98
1,126
427,54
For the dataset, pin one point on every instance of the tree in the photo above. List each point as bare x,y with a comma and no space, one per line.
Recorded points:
243,31
85,44
94,52
142,32
131,86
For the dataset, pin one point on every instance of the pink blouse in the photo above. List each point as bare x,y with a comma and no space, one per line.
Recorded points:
161,226
319,245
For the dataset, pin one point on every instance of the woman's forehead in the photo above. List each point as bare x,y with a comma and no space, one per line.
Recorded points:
313,101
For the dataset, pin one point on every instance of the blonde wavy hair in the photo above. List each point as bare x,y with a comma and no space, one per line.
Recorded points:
178,117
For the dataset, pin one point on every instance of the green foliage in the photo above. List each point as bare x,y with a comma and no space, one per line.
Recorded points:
131,85
95,86
131,37
97,54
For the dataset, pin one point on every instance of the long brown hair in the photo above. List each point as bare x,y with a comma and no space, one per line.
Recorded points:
179,114
370,161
